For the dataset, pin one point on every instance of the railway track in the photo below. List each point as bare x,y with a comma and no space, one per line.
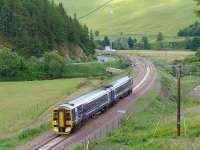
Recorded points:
145,79
52,143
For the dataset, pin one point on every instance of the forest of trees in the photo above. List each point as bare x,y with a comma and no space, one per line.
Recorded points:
34,27
192,30
192,34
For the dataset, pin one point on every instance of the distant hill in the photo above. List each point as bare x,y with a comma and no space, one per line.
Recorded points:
134,16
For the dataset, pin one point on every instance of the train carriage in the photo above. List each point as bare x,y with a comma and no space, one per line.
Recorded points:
121,87
72,114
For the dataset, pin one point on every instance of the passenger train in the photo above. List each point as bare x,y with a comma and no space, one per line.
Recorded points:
74,113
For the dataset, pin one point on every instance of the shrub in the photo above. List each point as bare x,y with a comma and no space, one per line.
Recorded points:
198,54
11,65
53,65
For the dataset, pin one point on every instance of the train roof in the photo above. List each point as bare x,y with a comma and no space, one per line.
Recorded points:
85,98
120,81
94,94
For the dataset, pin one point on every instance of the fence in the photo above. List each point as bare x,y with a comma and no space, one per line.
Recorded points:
100,132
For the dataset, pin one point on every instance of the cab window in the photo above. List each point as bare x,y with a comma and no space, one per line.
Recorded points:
67,116
55,116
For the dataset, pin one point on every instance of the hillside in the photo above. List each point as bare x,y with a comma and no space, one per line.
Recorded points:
134,16
36,27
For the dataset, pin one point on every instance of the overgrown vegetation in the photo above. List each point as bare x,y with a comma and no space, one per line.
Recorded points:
39,26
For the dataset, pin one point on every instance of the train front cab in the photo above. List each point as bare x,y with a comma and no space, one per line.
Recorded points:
62,121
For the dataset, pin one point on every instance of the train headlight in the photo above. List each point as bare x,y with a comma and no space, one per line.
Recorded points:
68,129
55,122
55,129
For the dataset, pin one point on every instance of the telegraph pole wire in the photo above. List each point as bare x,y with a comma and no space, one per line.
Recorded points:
96,9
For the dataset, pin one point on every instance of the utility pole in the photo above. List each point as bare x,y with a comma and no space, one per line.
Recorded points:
110,26
178,73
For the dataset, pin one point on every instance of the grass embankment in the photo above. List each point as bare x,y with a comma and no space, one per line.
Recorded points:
134,16
151,123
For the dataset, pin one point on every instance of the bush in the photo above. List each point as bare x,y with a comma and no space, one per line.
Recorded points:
198,55
11,65
53,65
195,43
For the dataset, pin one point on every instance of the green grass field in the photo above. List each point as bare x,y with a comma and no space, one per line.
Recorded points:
22,103
134,16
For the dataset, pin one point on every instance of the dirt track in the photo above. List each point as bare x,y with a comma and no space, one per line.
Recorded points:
145,79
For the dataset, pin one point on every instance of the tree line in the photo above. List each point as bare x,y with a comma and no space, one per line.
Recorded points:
124,43
34,27
192,35
49,66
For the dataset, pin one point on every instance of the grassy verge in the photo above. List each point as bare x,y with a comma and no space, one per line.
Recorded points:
23,137
151,123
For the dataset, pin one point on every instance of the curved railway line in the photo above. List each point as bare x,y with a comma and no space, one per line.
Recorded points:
145,79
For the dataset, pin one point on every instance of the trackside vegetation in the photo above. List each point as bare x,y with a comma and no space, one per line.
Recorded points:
24,136
151,123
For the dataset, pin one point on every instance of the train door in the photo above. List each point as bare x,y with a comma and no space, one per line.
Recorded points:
112,94
65,120
61,118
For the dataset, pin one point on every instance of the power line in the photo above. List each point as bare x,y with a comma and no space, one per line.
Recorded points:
96,9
